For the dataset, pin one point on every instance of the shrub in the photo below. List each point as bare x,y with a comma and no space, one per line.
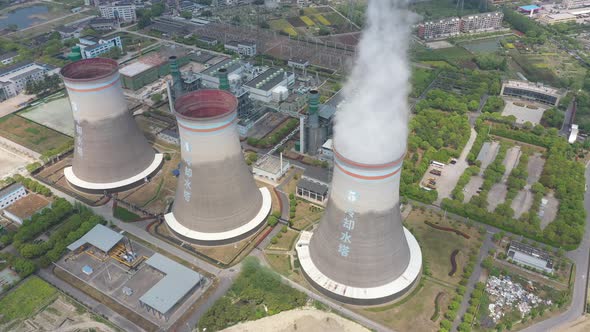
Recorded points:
284,229
274,240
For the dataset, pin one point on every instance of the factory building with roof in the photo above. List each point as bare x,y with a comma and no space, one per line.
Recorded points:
177,283
11,194
151,67
531,91
271,168
100,237
24,208
244,48
92,47
210,77
266,86
530,256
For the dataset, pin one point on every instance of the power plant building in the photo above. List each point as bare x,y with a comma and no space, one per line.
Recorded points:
111,153
360,253
531,91
210,76
269,83
151,67
217,200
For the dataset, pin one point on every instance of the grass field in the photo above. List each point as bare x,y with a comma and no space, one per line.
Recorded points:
438,245
125,215
307,21
285,242
30,134
414,312
421,78
30,296
280,263
305,215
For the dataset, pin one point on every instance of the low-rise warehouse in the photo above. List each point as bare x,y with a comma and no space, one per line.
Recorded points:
26,207
530,256
264,85
100,237
150,67
178,282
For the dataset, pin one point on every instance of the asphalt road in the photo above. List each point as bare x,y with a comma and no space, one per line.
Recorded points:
580,256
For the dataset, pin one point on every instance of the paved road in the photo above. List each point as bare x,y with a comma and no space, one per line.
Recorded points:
483,252
580,256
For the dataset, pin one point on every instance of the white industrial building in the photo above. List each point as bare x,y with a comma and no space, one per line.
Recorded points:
123,11
92,47
271,168
530,256
11,194
14,78
271,85
210,79
244,48
25,207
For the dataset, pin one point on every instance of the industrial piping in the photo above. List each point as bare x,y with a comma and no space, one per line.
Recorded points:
217,200
111,153
360,253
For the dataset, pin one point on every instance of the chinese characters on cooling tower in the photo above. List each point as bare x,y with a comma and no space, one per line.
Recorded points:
347,227
78,128
188,173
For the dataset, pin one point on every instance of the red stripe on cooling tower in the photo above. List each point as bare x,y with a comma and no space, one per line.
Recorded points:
354,163
364,177
207,130
94,89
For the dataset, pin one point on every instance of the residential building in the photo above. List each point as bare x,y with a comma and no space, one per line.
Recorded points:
443,28
531,91
123,11
14,78
92,47
244,48
530,256
24,208
8,57
481,22
569,4
11,194
103,24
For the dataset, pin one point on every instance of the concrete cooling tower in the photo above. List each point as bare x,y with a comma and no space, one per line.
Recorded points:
111,153
360,253
217,200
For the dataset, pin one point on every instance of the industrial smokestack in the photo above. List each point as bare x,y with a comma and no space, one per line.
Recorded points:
223,79
176,77
217,200
360,253
111,152
314,135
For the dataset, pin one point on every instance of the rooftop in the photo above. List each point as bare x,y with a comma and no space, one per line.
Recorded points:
8,55
230,64
102,20
530,250
269,164
179,280
10,189
529,7
327,111
66,29
315,187
299,61
538,87
207,39
268,79
24,71
100,237
14,67
317,174
27,206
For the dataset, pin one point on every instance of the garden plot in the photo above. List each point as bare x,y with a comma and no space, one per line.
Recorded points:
497,194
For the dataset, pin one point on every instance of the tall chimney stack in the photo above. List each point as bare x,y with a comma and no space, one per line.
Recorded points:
176,77
111,153
314,135
217,200
223,79
360,253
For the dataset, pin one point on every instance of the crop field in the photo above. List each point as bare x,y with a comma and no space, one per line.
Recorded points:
26,299
30,134
312,18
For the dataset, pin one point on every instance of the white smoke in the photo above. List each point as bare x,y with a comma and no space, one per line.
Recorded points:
372,123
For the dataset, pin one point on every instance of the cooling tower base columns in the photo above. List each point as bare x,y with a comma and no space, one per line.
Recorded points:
357,295
95,187
226,237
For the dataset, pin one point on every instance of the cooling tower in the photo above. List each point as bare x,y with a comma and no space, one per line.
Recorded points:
217,200
360,252
111,153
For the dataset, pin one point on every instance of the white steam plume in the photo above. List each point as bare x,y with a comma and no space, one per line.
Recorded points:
372,123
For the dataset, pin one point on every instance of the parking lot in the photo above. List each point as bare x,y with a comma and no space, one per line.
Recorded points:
524,111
